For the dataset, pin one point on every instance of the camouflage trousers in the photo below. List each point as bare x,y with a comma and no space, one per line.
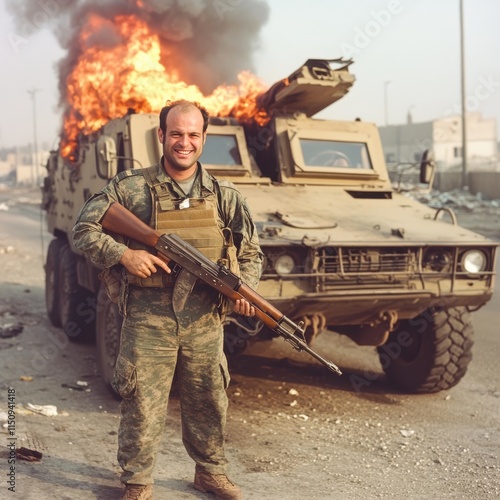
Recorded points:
156,341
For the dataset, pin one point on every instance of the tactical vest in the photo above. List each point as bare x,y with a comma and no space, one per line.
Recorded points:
195,220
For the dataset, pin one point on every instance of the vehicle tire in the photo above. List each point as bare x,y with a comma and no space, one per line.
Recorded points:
52,292
108,331
429,353
77,304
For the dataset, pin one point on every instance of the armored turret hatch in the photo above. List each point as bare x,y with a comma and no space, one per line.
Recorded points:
311,88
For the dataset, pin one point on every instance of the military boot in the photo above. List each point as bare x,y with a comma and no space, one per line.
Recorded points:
218,484
138,492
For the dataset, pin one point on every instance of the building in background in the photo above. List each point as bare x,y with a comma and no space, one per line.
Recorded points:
405,143
19,167
7,167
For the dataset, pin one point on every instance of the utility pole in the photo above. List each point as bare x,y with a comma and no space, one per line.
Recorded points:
464,110
32,93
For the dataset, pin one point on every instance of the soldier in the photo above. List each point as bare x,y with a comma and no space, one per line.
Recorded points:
172,324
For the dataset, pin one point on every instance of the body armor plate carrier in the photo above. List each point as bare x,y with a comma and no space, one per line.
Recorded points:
195,220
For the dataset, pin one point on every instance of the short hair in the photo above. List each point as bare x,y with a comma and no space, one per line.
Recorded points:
185,105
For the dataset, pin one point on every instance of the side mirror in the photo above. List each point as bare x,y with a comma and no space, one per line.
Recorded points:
427,168
107,161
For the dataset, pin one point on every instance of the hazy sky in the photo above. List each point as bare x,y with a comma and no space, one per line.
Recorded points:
412,44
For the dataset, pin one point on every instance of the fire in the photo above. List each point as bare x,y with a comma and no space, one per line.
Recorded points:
109,79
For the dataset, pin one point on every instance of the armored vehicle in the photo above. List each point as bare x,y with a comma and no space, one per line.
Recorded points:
343,250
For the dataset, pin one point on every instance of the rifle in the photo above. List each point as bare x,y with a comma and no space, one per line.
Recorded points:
123,222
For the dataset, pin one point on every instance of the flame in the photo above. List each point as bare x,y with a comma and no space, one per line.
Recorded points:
110,79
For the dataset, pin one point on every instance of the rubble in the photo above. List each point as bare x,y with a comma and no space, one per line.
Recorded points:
458,199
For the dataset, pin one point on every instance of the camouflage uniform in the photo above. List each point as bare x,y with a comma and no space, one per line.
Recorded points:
157,340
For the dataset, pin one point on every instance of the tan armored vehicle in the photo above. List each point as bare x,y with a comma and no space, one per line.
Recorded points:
342,249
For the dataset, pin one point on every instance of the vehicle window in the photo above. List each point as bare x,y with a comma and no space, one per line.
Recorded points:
318,153
221,150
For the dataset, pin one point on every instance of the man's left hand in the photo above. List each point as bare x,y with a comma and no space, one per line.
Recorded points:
241,306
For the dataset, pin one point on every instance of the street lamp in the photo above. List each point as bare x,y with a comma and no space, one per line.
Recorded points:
463,91
32,93
385,102
409,117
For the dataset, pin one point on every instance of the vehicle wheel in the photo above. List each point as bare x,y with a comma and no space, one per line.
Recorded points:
429,353
52,293
108,330
77,303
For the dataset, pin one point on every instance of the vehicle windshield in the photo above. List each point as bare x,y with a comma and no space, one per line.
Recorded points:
320,153
221,150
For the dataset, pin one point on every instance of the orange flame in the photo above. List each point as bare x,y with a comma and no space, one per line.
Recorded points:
106,82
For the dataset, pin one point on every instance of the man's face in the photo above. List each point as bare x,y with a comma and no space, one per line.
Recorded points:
183,141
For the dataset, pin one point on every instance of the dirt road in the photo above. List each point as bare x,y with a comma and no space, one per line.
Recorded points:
295,431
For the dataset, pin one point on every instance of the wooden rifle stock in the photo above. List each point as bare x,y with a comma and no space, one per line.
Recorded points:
123,222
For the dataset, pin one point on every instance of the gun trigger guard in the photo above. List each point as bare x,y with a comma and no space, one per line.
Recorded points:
175,268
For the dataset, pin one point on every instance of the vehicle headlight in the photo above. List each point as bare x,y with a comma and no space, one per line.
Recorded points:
473,261
284,264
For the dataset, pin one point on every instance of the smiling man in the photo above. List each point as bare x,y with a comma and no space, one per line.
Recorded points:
172,322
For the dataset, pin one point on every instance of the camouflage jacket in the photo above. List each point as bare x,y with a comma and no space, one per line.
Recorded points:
130,189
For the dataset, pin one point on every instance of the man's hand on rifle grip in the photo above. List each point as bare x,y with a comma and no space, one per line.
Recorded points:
241,306
141,263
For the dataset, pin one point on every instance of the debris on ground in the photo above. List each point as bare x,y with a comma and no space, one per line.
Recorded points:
10,330
47,410
77,387
28,455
